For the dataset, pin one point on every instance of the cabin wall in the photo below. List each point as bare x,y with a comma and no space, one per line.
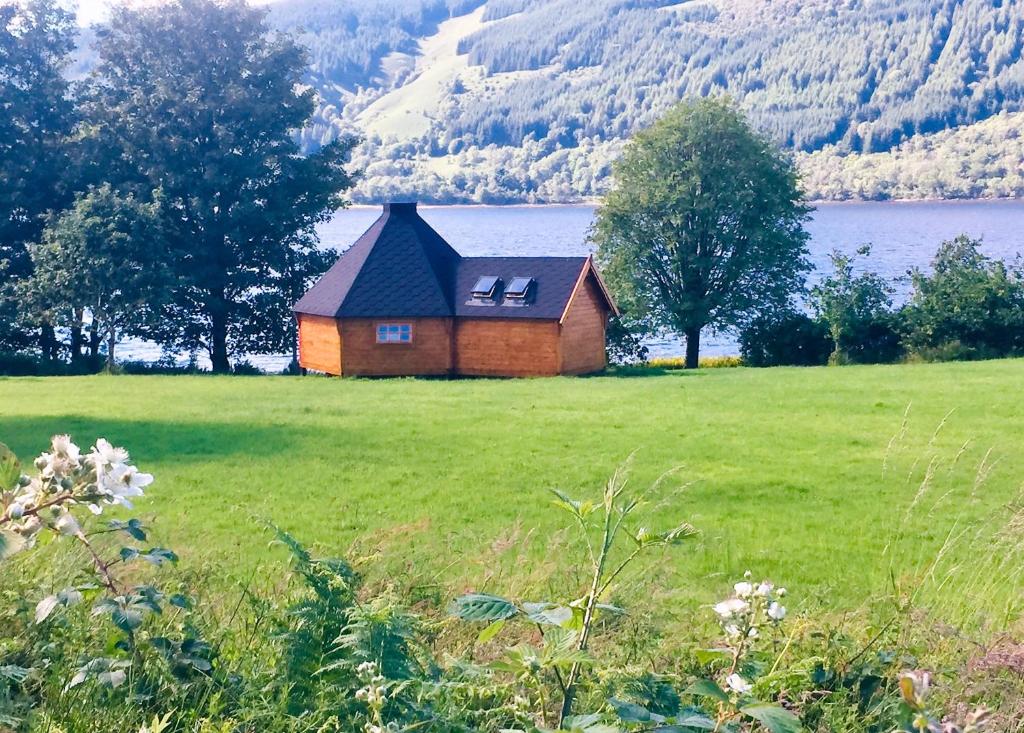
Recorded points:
319,344
489,347
582,346
429,353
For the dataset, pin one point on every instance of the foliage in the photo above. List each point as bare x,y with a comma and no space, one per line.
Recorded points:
36,39
239,201
103,258
707,362
566,626
967,300
881,95
851,305
705,225
785,337
624,344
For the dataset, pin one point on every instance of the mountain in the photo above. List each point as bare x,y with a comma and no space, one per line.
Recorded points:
531,100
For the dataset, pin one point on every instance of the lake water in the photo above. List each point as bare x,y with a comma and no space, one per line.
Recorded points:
902,235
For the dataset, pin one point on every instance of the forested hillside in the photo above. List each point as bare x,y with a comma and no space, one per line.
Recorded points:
530,99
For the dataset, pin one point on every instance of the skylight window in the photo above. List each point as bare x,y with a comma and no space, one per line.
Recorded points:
519,288
485,286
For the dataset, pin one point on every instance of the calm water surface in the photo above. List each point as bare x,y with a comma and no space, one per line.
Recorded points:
902,235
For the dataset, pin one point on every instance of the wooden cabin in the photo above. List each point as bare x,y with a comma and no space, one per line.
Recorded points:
401,301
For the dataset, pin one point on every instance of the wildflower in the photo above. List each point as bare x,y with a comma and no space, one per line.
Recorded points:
744,589
780,592
15,511
738,684
105,455
731,607
764,589
732,630
914,687
66,524
776,611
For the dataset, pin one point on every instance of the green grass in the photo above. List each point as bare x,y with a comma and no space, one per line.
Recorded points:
783,468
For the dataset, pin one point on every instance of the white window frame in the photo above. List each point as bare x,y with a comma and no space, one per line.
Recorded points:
392,333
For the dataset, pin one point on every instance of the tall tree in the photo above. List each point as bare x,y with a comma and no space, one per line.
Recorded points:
36,38
201,99
704,226
103,261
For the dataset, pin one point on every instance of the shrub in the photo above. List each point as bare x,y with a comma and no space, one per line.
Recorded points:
968,307
707,362
788,338
624,343
854,307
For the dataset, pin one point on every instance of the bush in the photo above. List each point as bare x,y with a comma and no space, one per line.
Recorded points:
969,306
624,343
785,339
707,362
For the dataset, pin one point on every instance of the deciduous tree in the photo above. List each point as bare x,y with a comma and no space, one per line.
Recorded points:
36,38
200,99
104,259
704,227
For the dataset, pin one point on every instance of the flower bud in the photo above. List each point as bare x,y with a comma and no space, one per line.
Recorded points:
67,484
15,511
24,480
41,462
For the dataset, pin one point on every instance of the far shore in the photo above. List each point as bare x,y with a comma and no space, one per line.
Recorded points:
594,202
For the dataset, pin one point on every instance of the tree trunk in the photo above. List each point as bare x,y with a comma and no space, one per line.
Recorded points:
111,343
77,338
48,342
219,339
692,347
94,343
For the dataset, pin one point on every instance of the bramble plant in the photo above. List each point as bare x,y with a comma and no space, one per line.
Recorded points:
915,688
566,626
67,487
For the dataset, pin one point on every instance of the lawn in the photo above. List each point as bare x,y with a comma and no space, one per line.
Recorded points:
793,473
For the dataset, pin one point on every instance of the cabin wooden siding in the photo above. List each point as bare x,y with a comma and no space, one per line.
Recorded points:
489,347
319,343
429,352
582,339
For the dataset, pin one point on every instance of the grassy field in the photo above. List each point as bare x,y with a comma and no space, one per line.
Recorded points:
803,475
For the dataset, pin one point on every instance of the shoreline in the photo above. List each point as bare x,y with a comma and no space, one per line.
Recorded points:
594,202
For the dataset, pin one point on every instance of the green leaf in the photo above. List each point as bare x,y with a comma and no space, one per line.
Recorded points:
549,614
707,688
707,656
773,717
491,631
10,469
126,619
482,607
687,723
630,712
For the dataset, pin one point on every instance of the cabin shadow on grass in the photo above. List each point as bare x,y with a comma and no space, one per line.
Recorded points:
150,440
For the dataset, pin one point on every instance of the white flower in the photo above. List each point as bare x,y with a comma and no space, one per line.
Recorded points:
104,454
122,481
780,592
15,511
753,632
764,589
738,684
732,630
730,607
63,447
776,611
66,524
743,589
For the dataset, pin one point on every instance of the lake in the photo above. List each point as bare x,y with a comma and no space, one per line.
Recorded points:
903,235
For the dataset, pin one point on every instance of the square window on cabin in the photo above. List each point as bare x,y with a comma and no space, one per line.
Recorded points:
394,333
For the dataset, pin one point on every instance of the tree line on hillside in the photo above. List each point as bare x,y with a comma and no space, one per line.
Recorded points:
163,196
852,78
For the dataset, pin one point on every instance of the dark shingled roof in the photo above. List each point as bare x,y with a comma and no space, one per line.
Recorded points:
554,280
401,268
